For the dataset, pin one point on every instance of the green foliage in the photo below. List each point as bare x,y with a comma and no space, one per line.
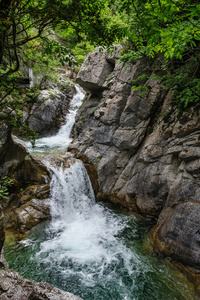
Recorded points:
168,31
97,160
185,80
45,35
5,183
81,50
155,26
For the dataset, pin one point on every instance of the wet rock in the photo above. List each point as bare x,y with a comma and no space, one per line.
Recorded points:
177,233
14,286
49,112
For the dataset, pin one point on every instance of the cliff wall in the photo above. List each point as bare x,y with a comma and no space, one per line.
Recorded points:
147,158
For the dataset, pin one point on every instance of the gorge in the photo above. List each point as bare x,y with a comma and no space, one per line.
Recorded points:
139,156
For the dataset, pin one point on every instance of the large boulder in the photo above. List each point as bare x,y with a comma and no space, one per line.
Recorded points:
49,112
96,69
177,233
147,158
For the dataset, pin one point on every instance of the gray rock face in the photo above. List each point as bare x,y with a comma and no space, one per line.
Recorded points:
49,112
13,286
147,159
96,70
29,204
178,232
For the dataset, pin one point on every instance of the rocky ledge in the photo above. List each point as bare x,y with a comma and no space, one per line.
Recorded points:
146,155
13,286
27,204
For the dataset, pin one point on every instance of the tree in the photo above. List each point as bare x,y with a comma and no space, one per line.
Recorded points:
23,21
169,31
26,28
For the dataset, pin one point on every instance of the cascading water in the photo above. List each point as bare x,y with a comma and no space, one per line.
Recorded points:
62,139
87,248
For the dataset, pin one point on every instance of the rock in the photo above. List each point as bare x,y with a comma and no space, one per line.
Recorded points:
177,233
95,70
12,154
49,112
21,217
147,159
17,162
14,286
3,262
28,205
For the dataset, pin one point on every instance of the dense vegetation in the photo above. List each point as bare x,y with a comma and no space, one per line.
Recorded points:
47,34
40,35
169,32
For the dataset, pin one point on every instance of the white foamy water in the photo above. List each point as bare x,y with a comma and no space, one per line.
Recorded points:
82,238
82,232
62,138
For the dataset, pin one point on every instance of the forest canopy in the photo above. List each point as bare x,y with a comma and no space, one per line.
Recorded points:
49,33
168,31
29,36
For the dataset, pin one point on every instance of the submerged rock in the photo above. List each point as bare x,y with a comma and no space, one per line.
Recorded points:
147,159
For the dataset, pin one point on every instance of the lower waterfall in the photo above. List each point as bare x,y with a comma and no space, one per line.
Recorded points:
88,248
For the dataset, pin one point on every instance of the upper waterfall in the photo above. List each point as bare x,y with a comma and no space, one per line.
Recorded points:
62,139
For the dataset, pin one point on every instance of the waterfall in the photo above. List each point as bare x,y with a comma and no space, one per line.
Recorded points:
62,139
83,236
30,73
87,248
71,192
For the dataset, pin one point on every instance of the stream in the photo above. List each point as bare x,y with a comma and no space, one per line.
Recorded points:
91,249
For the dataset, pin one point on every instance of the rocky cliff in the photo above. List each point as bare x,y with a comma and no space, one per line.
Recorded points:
147,157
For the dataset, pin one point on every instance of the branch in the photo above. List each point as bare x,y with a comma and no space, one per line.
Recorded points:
191,89
8,93
11,71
